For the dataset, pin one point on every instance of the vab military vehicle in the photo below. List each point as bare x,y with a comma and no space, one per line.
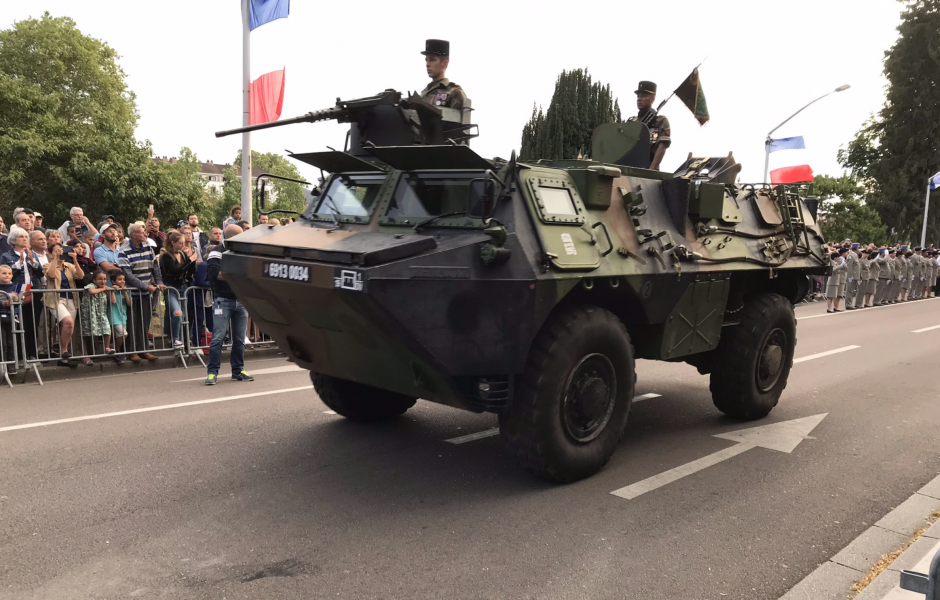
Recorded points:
526,289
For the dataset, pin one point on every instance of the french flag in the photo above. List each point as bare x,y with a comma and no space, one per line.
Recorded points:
794,174
266,93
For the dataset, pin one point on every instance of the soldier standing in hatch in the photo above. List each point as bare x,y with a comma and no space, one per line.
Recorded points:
441,91
657,124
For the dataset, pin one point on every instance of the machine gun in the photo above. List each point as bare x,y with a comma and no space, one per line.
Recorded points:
386,119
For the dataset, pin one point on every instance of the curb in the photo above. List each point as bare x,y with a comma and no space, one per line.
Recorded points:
107,367
833,579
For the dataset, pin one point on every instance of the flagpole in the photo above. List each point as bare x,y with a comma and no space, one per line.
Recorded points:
246,137
923,231
841,88
766,158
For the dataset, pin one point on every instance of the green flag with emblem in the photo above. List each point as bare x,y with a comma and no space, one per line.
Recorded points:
693,96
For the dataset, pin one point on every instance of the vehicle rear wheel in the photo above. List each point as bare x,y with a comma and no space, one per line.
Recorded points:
571,405
360,402
753,359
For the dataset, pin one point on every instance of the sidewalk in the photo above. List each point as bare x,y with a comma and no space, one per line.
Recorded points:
833,580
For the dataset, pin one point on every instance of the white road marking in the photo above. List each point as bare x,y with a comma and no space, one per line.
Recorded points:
271,370
151,409
329,412
846,312
782,437
926,329
822,354
666,477
474,436
470,437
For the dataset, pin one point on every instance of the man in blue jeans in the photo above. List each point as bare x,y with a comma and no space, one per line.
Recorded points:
226,308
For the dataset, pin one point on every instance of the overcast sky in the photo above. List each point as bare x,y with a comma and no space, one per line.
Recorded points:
765,60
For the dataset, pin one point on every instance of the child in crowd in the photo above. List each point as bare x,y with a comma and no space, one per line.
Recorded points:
6,314
120,303
95,312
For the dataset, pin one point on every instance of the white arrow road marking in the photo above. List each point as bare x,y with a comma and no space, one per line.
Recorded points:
926,329
782,437
471,437
826,353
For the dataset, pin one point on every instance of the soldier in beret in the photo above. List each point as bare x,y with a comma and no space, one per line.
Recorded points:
657,124
441,91
871,286
853,271
863,273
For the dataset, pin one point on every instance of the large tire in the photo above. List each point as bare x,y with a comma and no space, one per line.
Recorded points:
753,359
360,402
572,403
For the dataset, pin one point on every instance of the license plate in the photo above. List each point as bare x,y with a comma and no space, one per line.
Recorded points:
285,271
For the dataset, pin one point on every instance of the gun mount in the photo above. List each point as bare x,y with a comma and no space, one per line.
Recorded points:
387,119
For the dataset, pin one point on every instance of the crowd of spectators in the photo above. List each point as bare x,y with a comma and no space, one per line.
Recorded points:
109,282
867,275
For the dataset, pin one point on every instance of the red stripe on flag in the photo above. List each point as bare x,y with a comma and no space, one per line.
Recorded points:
795,174
266,98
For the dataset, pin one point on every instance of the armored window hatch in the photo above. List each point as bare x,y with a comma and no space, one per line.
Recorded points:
414,158
336,162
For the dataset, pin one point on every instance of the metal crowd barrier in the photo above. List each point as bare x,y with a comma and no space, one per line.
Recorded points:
11,332
146,330
35,330
199,320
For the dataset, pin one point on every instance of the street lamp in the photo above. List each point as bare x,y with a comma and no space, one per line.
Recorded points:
841,88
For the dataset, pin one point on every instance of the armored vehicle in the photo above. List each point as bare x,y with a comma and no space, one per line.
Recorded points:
526,289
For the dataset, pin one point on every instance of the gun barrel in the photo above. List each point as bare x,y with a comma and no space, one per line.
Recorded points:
311,117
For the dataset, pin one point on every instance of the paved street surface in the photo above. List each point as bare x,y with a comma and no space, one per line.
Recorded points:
260,493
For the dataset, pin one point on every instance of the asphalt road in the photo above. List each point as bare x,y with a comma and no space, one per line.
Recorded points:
268,496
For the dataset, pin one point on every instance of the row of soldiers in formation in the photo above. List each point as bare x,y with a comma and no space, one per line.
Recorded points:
866,276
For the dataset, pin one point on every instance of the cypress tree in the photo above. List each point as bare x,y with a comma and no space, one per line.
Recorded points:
564,130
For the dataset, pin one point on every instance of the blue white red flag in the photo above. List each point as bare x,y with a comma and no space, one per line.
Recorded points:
935,182
265,11
790,143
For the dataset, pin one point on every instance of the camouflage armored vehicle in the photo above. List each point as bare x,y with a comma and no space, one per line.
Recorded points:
526,289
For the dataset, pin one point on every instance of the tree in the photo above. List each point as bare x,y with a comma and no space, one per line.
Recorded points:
181,189
578,106
898,149
67,123
843,213
287,195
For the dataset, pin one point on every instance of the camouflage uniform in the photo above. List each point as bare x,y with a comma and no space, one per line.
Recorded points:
659,133
444,93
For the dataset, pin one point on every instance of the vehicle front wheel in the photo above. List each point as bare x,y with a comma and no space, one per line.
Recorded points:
571,405
753,359
360,402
